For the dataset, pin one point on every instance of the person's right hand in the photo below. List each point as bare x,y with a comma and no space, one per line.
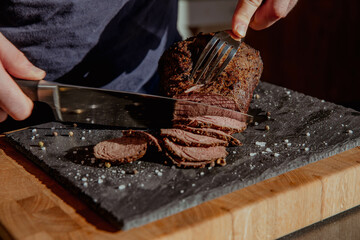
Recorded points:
13,101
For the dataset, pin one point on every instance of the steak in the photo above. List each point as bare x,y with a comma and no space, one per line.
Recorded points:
185,138
193,156
237,82
211,133
121,150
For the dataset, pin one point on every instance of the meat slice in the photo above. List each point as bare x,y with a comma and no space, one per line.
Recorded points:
224,124
185,138
211,133
184,155
121,150
209,98
153,141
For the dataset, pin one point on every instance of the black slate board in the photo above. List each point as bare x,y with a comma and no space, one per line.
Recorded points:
302,130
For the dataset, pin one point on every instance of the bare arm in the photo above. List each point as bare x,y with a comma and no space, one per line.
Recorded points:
13,101
259,14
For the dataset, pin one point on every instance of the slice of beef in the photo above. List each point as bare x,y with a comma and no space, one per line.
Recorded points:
121,150
186,109
185,138
211,133
180,163
209,98
151,140
224,124
192,156
237,82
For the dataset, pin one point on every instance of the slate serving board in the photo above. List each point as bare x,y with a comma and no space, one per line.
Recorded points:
302,130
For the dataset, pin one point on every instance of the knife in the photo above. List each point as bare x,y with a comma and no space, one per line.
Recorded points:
117,108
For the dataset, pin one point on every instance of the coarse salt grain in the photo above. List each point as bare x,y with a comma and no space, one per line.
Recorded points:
252,154
100,181
350,131
306,149
308,134
261,144
121,187
268,150
276,154
181,191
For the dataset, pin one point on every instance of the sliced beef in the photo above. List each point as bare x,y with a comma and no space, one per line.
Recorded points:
121,150
193,156
211,133
185,138
209,98
225,124
237,82
151,140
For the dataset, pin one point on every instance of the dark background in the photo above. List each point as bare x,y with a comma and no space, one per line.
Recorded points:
315,50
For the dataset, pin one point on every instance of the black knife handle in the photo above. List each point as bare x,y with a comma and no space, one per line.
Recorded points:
29,87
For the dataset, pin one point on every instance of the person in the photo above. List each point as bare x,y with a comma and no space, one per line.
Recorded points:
111,44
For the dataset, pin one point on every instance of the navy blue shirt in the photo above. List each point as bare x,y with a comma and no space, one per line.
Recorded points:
114,44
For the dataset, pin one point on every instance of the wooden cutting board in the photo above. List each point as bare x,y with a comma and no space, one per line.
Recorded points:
34,206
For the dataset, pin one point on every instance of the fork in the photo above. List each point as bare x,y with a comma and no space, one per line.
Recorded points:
221,43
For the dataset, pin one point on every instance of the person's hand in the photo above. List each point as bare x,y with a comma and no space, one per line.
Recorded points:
13,101
259,14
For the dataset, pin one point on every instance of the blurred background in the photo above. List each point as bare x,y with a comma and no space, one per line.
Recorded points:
314,50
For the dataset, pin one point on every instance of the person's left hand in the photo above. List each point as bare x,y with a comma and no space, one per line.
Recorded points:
259,14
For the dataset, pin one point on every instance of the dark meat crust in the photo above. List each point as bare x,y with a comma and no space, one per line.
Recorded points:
237,81
186,138
121,150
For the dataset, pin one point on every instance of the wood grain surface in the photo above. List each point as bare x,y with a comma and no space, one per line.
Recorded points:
33,206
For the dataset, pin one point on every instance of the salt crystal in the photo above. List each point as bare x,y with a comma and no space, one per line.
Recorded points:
286,141
256,123
306,149
43,148
350,131
100,181
121,187
261,144
308,134
276,154
159,174
34,130
103,176
85,184
202,173
122,172
193,185
268,150
33,138
288,144
82,138
181,191
84,179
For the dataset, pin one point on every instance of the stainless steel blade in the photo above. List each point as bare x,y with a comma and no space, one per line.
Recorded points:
122,109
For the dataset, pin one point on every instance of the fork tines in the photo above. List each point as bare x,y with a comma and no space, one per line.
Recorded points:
221,45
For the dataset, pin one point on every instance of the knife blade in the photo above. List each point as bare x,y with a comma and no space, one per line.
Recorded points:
117,108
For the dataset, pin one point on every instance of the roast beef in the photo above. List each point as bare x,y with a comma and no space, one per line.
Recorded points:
190,139
121,150
225,124
150,139
237,82
193,156
211,133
